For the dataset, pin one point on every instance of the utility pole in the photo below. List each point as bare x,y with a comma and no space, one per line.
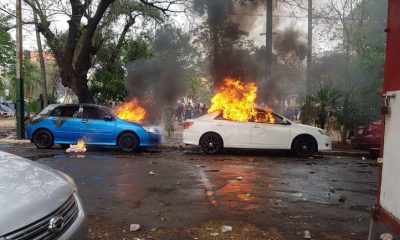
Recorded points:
19,74
309,49
268,42
41,60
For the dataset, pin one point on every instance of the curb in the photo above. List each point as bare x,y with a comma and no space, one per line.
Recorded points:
14,141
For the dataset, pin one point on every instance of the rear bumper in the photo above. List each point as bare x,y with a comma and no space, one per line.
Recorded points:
365,142
79,229
190,137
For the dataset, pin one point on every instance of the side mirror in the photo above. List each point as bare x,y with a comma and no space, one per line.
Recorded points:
108,118
286,122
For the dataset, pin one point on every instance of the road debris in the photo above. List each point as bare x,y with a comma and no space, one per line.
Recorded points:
342,198
332,189
386,236
363,158
151,173
240,178
80,147
134,227
306,234
225,228
214,234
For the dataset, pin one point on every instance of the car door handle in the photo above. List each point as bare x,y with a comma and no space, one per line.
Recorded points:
256,126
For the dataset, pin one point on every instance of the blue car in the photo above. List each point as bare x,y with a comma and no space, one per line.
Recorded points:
65,124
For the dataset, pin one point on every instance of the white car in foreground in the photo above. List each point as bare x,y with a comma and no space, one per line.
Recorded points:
38,202
212,133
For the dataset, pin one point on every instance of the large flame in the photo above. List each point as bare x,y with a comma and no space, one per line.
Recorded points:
131,111
236,100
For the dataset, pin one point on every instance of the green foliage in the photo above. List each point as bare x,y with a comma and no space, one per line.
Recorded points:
107,84
320,106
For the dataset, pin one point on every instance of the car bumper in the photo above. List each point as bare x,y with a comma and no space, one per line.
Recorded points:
190,137
324,143
79,229
151,140
365,142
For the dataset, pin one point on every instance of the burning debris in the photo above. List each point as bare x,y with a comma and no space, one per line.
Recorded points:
236,100
80,147
131,111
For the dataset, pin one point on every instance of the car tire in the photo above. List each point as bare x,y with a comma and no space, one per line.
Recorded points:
304,146
211,143
128,142
43,139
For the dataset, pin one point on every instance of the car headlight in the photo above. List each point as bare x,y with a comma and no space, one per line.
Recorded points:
323,132
150,129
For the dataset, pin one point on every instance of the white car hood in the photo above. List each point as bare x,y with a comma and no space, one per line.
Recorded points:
307,127
29,191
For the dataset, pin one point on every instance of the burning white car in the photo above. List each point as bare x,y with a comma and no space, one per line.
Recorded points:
234,121
212,133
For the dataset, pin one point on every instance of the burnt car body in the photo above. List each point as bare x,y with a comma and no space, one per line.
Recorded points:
65,124
368,137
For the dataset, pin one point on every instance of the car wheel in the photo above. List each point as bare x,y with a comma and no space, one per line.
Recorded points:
43,139
211,143
304,146
128,142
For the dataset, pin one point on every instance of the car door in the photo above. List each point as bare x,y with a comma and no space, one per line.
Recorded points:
270,134
97,126
65,123
233,133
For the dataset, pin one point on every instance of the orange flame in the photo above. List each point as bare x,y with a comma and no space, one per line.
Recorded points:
131,111
237,102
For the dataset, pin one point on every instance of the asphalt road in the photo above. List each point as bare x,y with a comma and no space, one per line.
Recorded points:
262,195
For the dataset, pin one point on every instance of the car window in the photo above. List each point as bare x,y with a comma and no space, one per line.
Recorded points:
94,113
65,111
267,117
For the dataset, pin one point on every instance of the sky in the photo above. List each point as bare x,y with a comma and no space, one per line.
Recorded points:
257,34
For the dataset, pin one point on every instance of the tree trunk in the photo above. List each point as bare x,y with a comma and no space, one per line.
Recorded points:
41,61
84,95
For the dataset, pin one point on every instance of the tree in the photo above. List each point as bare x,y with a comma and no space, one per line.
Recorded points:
320,106
87,27
7,53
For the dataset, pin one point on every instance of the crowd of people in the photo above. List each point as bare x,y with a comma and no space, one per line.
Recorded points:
185,111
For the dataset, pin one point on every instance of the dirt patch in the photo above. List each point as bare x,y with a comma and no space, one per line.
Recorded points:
101,228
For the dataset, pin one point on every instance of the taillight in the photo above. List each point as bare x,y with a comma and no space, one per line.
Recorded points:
372,128
187,125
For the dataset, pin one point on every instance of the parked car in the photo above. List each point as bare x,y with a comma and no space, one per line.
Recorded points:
38,202
97,125
212,133
368,137
6,111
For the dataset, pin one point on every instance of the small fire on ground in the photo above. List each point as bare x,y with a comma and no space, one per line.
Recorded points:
236,100
80,147
131,111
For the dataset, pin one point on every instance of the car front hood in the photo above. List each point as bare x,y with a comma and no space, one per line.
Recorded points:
29,191
308,127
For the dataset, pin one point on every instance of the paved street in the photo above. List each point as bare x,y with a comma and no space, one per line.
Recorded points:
263,195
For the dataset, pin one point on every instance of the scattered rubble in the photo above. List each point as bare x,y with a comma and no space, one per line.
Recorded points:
306,234
134,227
214,234
386,236
332,189
225,228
